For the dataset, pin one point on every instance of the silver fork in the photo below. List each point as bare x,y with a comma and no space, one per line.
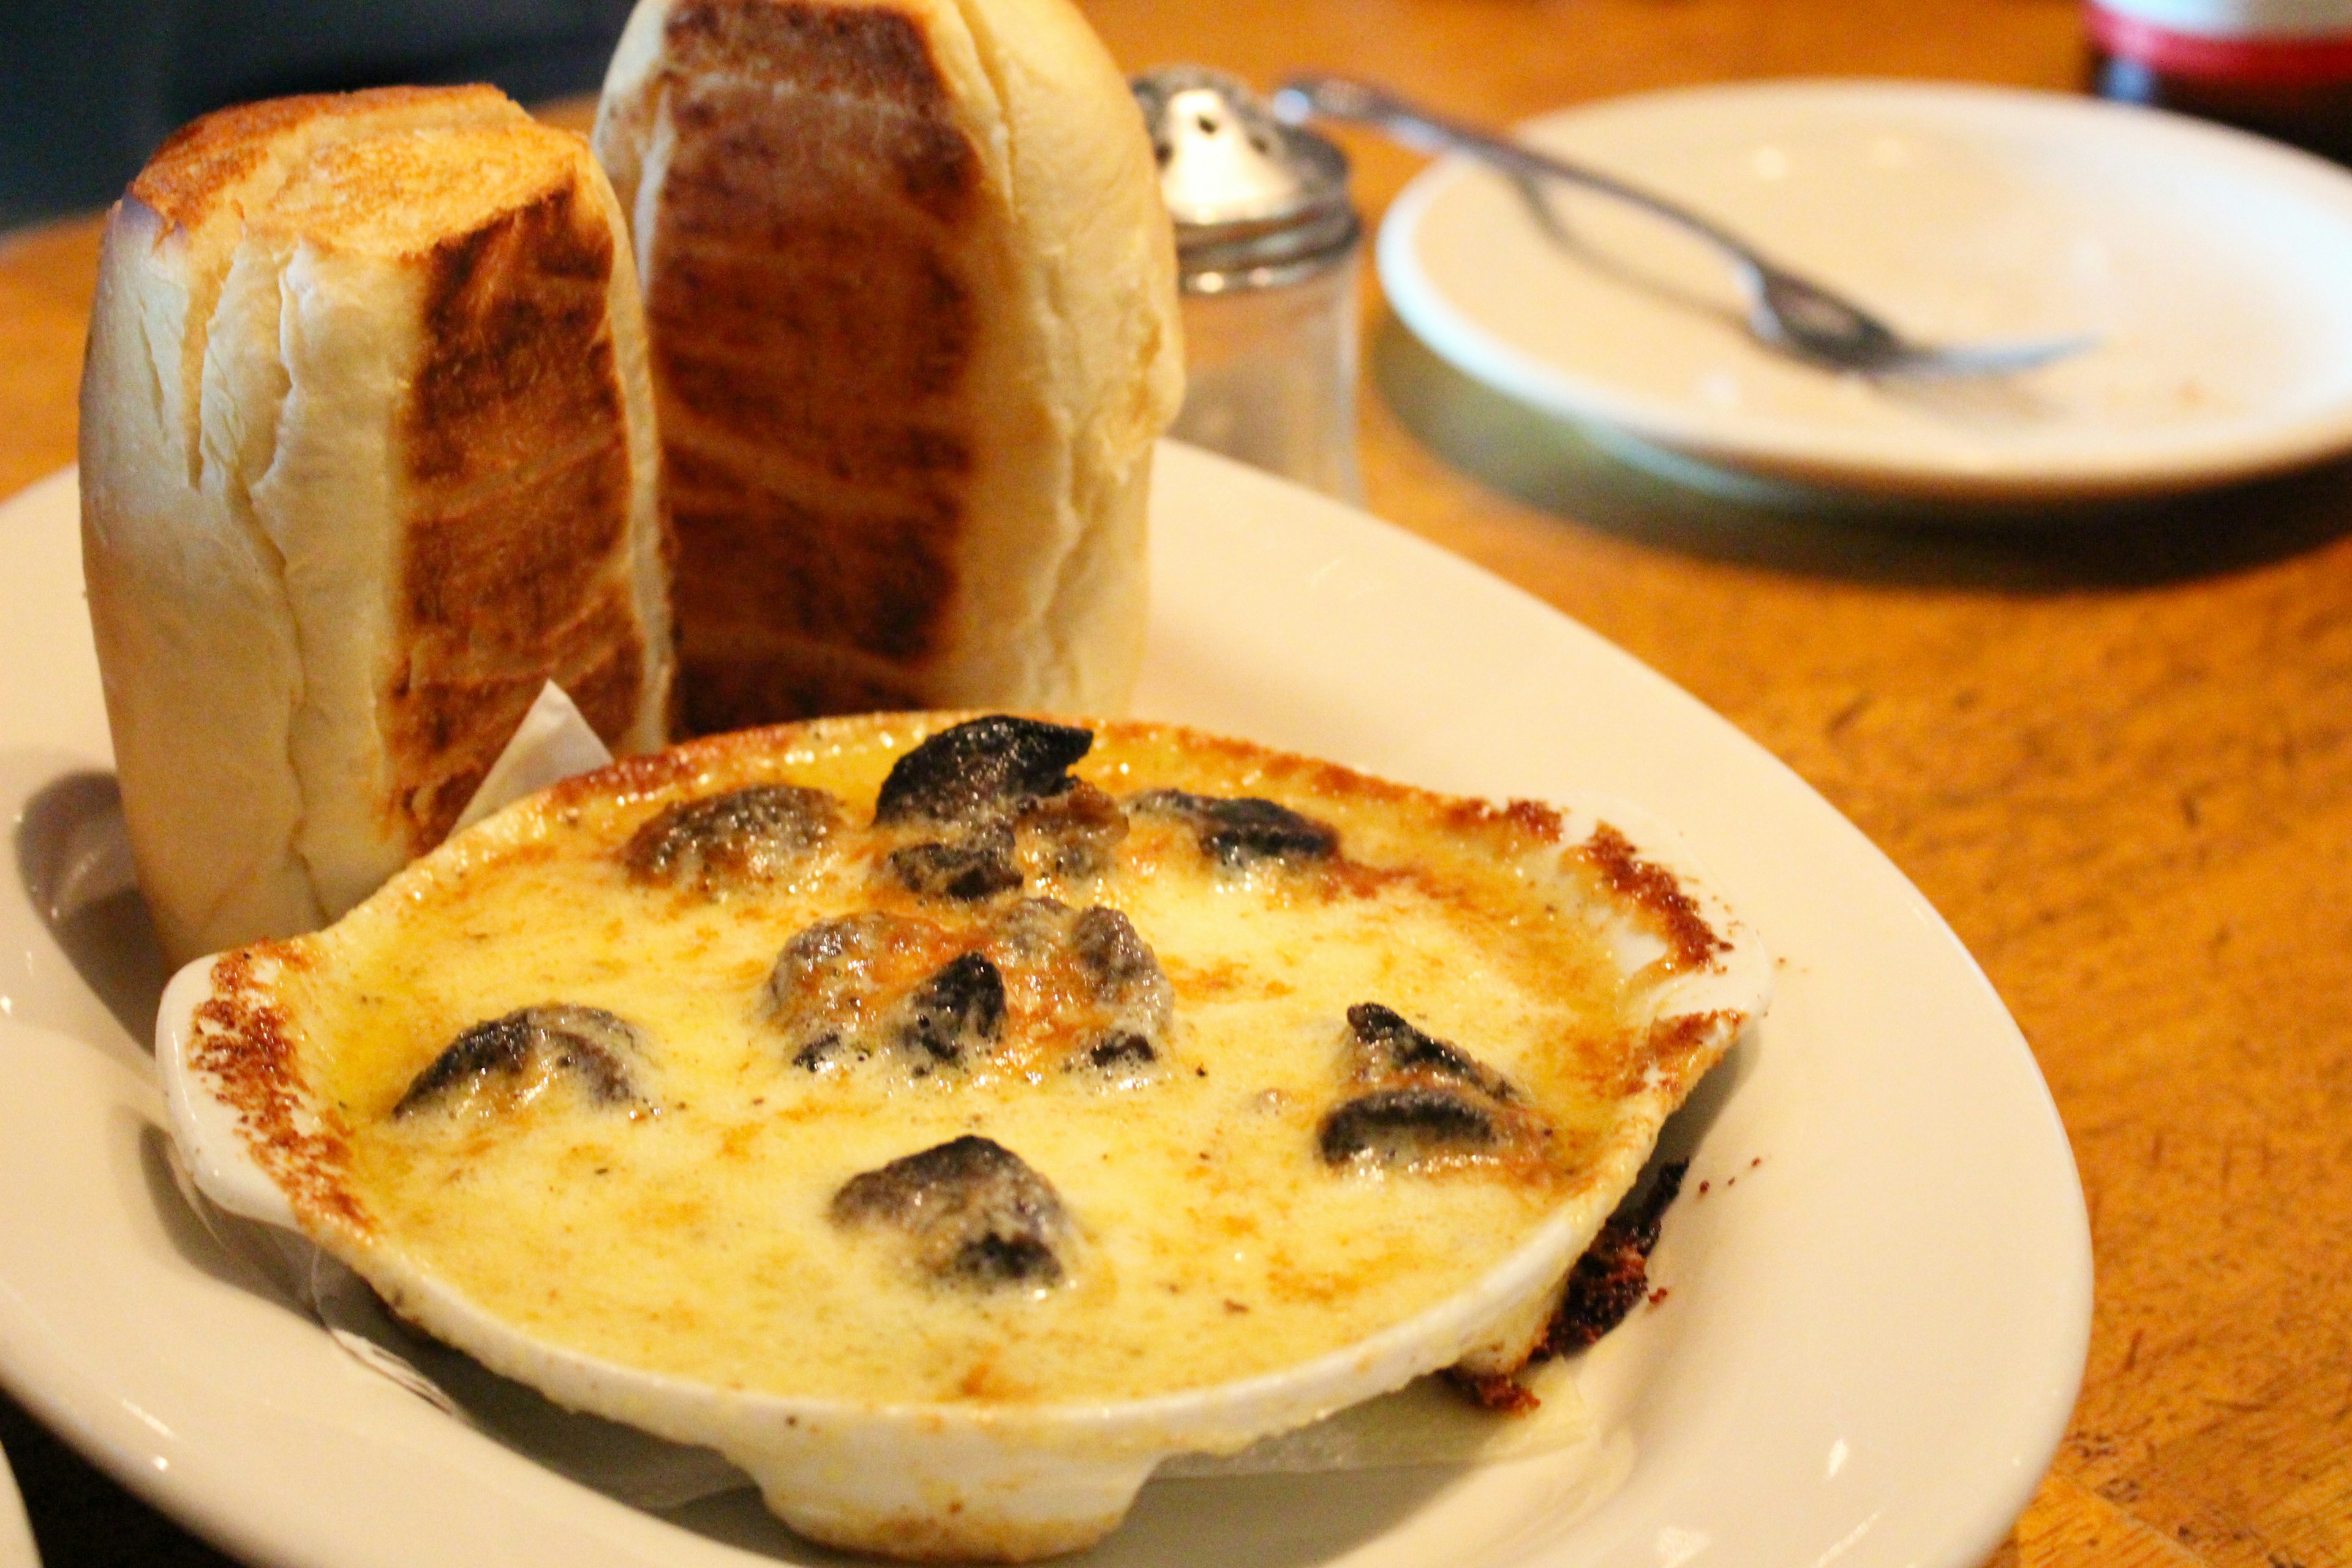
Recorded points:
1785,310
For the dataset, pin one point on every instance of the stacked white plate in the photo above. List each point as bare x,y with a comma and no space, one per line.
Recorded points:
2211,264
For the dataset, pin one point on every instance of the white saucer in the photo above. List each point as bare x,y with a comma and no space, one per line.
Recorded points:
2211,264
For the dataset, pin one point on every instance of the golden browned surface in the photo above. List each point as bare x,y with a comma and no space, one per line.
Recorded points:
375,171
516,565
2118,759
820,189
516,553
201,164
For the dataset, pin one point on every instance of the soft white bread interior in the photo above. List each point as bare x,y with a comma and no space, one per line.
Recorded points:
367,456
911,293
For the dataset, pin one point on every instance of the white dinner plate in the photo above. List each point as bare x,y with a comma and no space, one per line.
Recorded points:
1877,1280
2210,265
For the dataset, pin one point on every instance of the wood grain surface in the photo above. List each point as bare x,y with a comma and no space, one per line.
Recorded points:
2114,752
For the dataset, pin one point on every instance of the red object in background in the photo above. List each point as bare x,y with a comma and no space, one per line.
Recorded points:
2282,69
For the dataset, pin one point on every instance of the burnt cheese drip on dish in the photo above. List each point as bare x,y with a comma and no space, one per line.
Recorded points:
1079,988
975,1213
979,798
1424,1105
1613,1276
723,844
1244,830
512,1060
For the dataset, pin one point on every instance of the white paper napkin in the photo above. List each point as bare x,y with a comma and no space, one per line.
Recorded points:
551,745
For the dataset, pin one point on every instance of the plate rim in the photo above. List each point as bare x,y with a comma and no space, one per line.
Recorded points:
1779,451
105,1422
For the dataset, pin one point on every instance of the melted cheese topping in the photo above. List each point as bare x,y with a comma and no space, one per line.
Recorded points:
687,1232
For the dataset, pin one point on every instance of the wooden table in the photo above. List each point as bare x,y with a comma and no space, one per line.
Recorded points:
2118,759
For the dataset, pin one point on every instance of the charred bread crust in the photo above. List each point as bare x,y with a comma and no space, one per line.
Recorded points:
911,297
367,458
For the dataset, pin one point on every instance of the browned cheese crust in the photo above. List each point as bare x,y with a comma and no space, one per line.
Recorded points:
244,1043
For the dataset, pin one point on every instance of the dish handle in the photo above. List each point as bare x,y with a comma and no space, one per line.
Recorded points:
208,1128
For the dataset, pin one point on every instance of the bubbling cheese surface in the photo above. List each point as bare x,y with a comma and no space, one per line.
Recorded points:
691,1229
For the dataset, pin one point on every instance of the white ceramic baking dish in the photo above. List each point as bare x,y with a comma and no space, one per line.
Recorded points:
979,1479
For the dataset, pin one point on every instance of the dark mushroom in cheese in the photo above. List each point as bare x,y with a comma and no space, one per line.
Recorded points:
1124,1059
988,797
1244,829
1027,984
723,843
1406,1127
975,1212
1385,1046
1128,984
954,1016
512,1060
1076,833
1425,1104
834,979
980,770
977,865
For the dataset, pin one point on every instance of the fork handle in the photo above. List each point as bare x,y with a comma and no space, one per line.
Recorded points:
1343,98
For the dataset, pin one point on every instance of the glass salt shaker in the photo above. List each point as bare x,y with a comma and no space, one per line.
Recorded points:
1266,248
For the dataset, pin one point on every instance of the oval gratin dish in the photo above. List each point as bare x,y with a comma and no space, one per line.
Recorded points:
1274,973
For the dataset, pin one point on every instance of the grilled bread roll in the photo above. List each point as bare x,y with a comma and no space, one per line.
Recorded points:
911,294
367,456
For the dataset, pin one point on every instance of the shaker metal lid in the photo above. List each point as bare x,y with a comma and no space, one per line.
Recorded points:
1255,203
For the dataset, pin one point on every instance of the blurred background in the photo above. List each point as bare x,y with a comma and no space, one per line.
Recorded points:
88,88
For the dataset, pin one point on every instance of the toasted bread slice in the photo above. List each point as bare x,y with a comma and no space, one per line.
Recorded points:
911,295
367,458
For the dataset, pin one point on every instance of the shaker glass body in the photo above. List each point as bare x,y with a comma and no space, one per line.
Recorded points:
1270,376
